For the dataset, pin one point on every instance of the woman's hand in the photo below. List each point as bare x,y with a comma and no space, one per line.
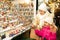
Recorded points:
53,28
35,27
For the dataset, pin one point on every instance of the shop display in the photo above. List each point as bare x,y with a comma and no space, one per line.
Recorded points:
2,36
15,18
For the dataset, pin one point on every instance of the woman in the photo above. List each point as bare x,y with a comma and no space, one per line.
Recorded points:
48,30
44,24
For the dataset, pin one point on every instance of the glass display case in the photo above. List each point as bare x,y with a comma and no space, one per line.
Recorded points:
15,18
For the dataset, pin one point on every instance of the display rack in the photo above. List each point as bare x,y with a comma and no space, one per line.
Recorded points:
22,31
15,19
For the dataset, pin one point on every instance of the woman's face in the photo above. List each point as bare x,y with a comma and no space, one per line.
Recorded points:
42,12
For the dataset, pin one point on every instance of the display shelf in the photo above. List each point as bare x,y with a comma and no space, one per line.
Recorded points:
13,16
7,29
9,38
21,32
13,21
